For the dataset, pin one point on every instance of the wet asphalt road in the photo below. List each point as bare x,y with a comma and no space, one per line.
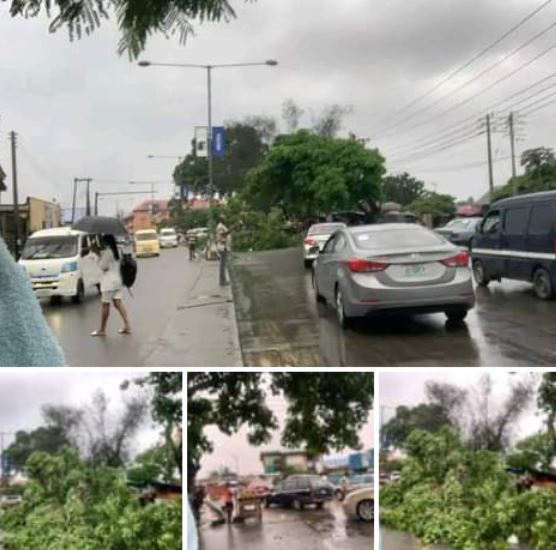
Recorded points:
281,324
282,529
161,286
396,540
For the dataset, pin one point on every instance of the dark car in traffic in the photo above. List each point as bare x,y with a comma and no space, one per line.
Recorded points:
460,231
517,240
298,491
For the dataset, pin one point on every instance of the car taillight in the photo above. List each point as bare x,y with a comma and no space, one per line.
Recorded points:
359,265
459,260
309,242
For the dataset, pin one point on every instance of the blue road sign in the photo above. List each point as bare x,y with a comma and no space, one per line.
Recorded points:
218,141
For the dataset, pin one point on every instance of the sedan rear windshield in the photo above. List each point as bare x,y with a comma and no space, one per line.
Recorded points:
146,236
168,232
45,248
396,238
325,228
463,223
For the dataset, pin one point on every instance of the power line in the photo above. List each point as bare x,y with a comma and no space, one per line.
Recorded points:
461,124
470,61
482,73
464,166
441,147
488,88
539,108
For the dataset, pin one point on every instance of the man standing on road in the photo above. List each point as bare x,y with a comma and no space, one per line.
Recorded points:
191,240
223,244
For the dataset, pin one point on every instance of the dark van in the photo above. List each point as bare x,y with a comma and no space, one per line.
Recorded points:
516,240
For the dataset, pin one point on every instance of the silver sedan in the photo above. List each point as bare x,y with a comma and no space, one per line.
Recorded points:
393,267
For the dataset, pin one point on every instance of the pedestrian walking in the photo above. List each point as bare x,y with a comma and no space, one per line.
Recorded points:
191,240
111,285
229,502
223,245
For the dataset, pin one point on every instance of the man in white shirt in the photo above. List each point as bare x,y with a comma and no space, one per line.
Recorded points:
223,244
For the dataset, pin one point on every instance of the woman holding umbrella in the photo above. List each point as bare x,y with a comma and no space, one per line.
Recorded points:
111,285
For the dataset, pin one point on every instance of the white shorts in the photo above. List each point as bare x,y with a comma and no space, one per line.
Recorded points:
109,295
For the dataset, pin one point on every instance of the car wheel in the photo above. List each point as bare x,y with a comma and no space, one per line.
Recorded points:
319,505
456,315
366,510
542,284
80,296
297,504
480,274
55,300
318,296
343,320
339,494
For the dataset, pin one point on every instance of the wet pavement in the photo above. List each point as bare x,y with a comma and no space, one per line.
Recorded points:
179,317
280,324
283,529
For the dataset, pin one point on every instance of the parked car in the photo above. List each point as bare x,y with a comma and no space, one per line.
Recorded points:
298,491
360,504
168,238
351,483
316,238
517,240
147,243
460,231
403,268
59,263
395,476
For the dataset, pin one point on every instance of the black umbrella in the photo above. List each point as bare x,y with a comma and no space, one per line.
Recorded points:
101,224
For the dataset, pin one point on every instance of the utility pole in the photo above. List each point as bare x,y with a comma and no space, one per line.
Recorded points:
490,171
209,133
13,139
88,203
73,200
512,145
96,203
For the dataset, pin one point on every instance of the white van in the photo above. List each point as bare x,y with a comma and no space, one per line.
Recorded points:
59,263
168,237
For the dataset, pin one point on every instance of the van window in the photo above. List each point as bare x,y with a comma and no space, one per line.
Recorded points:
47,248
540,221
515,221
492,222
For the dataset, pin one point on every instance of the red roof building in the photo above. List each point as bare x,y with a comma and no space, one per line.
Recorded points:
147,215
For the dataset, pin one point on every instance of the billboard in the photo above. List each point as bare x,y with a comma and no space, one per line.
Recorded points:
218,141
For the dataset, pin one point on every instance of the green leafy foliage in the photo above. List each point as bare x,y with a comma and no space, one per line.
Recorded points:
539,165
535,451
246,147
68,505
402,189
449,493
325,410
436,204
425,416
137,20
306,175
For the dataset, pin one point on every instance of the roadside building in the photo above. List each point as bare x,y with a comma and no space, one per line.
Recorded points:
285,461
34,214
147,215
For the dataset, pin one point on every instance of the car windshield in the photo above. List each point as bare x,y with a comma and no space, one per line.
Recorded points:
396,238
325,228
168,232
43,248
150,236
462,223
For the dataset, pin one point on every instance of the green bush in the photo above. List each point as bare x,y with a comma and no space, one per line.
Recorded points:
455,495
70,506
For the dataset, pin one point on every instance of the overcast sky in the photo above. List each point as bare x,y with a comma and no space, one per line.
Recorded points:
23,393
235,451
408,388
82,110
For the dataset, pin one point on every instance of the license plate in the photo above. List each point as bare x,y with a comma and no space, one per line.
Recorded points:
41,292
415,270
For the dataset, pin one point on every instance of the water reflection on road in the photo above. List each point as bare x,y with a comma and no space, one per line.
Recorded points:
283,529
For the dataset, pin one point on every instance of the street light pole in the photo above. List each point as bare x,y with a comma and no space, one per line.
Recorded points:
209,68
209,130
